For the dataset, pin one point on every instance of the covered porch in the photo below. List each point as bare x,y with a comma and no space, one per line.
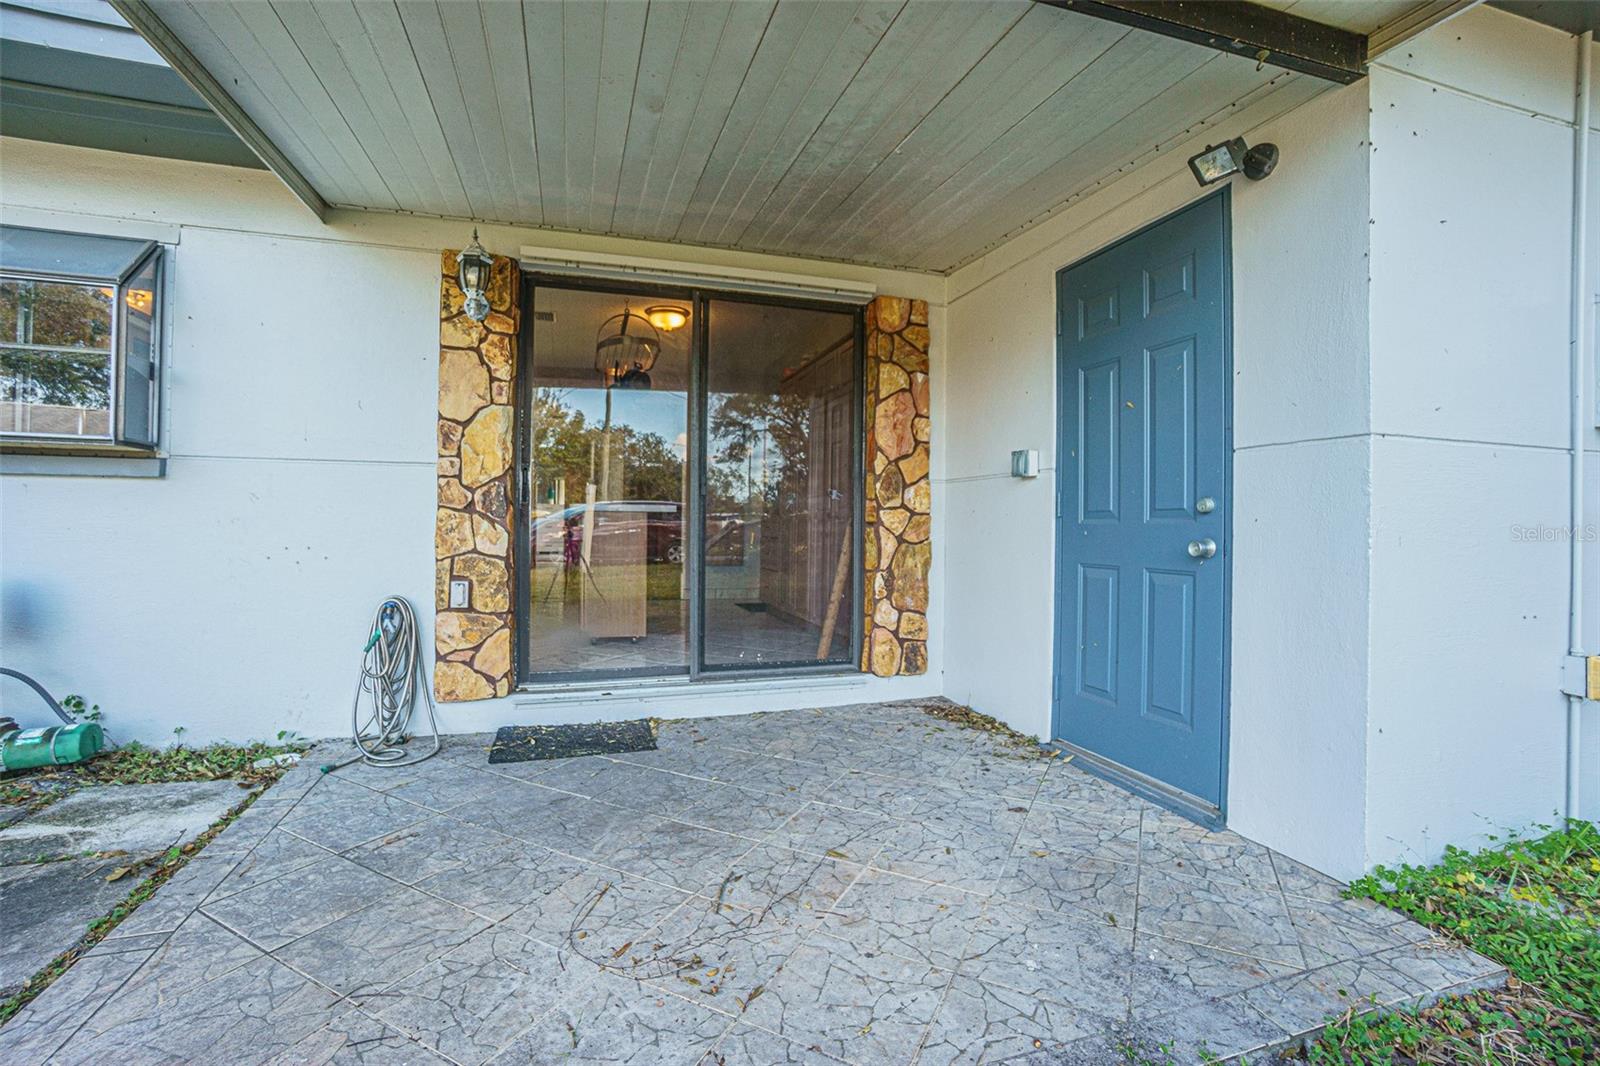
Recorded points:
867,884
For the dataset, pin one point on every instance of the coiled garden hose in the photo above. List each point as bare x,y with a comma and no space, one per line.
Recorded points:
391,675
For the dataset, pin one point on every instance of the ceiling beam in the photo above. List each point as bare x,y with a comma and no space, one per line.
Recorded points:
1254,31
139,15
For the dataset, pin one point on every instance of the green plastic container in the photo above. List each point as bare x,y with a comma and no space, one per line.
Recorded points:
22,749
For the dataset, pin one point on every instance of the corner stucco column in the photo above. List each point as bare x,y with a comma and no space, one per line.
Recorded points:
472,533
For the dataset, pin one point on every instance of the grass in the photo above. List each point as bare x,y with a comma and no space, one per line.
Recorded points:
663,584
1531,904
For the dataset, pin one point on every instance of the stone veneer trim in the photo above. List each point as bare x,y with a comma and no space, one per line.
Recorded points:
473,538
475,516
898,486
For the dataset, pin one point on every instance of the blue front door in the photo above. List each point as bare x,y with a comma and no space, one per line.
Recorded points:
1142,537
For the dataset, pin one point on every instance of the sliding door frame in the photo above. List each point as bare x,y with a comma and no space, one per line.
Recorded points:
698,408
699,300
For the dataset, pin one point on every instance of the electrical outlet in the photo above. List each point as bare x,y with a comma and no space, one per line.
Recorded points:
459,588
1025,463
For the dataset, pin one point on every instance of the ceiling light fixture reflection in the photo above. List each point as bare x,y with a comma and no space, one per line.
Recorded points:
666,317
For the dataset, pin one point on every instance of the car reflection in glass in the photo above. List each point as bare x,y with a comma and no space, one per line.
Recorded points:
558,535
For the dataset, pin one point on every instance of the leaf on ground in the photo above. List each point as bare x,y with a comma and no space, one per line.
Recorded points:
119,873
835,853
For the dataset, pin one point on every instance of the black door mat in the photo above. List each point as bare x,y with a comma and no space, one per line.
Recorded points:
526,743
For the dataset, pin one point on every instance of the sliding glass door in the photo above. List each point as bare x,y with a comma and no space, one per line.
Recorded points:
607,429
779,485
690,470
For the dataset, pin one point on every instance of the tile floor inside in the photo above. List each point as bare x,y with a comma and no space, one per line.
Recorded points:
865,884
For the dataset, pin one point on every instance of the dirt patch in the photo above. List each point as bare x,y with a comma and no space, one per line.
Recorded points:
34,789
967,718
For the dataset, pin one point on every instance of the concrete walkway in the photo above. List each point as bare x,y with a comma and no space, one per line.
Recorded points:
864,884
65,866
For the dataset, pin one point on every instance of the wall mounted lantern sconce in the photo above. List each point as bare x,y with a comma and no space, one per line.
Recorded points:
1230,157
472,273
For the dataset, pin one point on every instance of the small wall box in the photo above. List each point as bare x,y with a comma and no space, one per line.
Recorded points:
1025,463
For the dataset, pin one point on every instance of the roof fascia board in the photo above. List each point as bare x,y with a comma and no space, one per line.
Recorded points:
142,18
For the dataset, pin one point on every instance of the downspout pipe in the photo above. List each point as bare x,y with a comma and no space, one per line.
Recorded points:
1578,426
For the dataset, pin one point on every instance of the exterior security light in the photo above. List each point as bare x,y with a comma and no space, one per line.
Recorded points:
472,273
1230,157
666,317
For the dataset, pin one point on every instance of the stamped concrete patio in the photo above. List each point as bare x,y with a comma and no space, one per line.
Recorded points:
864,884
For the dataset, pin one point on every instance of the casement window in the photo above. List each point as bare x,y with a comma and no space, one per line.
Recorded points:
691,483
80,319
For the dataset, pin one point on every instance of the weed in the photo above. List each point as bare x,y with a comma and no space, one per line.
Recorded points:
79,709
1489,1028
1531,904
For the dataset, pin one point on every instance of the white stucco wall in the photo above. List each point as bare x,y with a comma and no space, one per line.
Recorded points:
1472,127
231,596
1300,465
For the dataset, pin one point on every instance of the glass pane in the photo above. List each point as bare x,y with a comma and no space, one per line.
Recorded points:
55,358
780,511
43,251
609,435
139,353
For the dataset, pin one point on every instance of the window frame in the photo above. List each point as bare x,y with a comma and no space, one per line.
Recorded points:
694,669
115,439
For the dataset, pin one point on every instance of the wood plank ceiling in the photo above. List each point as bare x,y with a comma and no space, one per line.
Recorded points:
910,134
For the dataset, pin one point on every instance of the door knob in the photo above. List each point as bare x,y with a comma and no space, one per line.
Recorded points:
1202,549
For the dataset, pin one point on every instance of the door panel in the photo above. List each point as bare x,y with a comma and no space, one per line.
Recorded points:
1145,438
1097,441
1097,619
1168,642
780,471
1169,429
